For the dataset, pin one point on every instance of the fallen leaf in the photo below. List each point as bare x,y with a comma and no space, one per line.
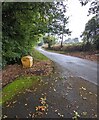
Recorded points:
69,88
43,102
83,88
8,105
5,116
16,116
92,109
54,89
68,106
76,115
84,98
96,115
66,94
62,115
41,108
43,98
25,104
14,102
56,110
47,105
84,113
96,95
46,83
28,90
30,115
35,89
77,106
33,115
39,113
55,80
59,114
90,93
52,84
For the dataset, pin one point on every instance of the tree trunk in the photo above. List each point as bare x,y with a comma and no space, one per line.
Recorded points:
49,46
62,41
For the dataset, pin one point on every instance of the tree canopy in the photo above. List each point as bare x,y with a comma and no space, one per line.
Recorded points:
94,6
91,33
24,22
50,40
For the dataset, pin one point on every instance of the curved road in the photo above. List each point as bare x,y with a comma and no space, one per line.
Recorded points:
75,66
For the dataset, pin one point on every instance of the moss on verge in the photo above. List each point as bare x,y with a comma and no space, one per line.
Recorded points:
20,84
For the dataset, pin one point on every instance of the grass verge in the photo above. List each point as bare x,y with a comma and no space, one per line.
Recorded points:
20,84
38,56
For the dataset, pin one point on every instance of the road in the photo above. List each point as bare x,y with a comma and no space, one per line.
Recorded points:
63,95
74,66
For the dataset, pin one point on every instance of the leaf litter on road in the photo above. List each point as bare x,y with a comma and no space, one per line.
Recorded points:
28,90
40,109
5,116
83,88
76,115
84,113
54,90
84,98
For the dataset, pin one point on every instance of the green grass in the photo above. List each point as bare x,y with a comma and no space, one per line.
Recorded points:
37,55
19,85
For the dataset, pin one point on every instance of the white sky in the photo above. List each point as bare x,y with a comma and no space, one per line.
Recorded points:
77,17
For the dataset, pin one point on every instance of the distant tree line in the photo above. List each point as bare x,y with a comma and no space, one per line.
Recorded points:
90,38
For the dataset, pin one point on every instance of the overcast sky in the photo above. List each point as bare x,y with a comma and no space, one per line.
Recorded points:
78,17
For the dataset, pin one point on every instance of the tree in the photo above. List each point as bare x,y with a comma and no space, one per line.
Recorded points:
50,40
22,23
94,6
57,23
64,30
91,33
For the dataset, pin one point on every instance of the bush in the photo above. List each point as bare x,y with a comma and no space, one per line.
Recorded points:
68,48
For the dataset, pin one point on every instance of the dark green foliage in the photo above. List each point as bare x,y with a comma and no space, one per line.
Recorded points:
50,40
94,6
22,25
16,31
91,34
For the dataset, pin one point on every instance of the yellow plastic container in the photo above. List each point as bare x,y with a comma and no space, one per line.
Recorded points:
27,61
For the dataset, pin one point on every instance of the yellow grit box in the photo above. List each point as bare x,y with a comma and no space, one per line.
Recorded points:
27,61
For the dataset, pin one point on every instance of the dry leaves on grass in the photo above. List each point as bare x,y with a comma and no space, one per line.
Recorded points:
11,72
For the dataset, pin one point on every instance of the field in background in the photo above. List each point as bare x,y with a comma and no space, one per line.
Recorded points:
76,50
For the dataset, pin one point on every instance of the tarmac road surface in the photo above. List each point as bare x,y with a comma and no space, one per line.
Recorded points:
75,66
